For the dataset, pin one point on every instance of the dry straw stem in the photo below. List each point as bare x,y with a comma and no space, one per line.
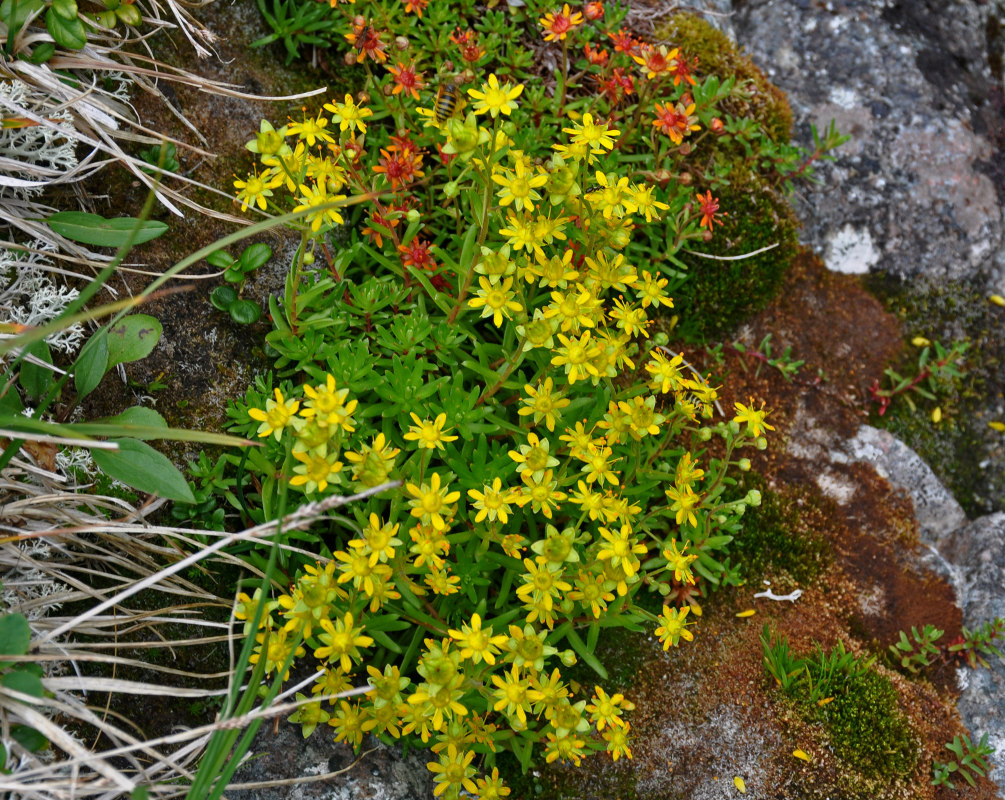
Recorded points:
98,552
102,124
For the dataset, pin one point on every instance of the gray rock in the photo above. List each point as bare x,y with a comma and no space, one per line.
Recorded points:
979,551
970,554
911,82
295,763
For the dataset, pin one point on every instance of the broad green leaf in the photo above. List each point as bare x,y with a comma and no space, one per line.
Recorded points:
138,465
29,738
91,365
132,338
245,312
15,635
68,33
255,256
43,52
35,379
65,8
19,680
223,297
16,12
94,229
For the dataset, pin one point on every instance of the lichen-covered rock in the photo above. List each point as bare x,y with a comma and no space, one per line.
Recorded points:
978,550
288,767
914,191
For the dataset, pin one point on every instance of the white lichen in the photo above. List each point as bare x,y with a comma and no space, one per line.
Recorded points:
37,144
28,296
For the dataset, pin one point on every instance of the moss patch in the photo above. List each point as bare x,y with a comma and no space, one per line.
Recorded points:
774,542
866,728
719,294
966,454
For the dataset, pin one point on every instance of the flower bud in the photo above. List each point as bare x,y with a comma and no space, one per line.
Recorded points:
349,58
686,179
308,258
761,443
706,236
734,427
753,498
413,215
716,126
620,238
704,434
568,658
744,464
401,42
451,189
684,149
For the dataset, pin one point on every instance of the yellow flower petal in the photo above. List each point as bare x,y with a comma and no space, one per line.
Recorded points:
998,426
824,701
748,613
920,341
740,785
997,299
937,415
802,754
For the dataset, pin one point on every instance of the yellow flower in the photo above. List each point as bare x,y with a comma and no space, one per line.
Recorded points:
428,434
617,742
374,462
542,404
341,640
315,472
753,419
496,300
577,356
431,501
597,137
615,198
494,98
492,503
329,407
534,457
277,415
683,503
679,562
255,189
321,205
511,694
673,627
620,549
453,771
349,115
518,187
476,643
310,130
597,467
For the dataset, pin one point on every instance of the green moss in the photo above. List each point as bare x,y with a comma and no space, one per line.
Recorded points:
719,55
865,726
717,294
774,541
957,448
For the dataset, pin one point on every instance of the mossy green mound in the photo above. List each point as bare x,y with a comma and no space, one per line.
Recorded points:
719,294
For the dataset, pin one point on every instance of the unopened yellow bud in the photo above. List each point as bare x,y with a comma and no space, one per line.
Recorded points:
937,415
